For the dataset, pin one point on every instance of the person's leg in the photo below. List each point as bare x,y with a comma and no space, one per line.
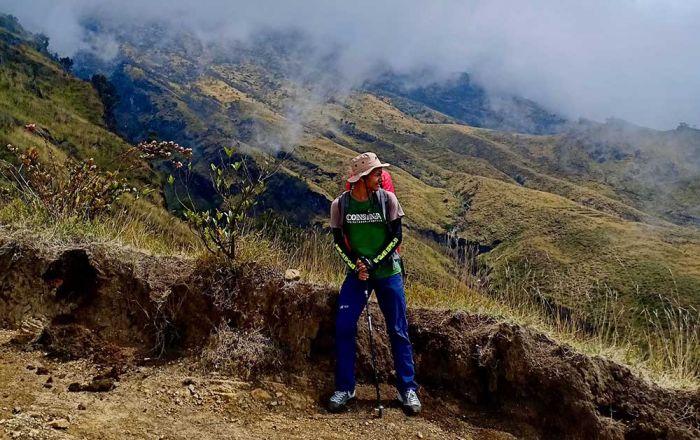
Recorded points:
392,302
350,305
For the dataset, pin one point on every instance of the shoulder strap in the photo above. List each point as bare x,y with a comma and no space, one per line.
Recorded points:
343,205
383,201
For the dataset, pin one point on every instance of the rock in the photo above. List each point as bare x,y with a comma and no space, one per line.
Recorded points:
16,410
419,435
188,381
59,424
292,275
190,387
96,386
42,371
81,407
16,434
30,330
31,367
260,395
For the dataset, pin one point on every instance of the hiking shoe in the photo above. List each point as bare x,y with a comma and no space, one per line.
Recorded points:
339,400
409,401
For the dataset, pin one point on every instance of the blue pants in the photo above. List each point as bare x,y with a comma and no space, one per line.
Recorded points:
392,302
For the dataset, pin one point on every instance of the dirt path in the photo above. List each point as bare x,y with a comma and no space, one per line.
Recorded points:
178,401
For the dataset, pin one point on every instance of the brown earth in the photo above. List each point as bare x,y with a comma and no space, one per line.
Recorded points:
100,311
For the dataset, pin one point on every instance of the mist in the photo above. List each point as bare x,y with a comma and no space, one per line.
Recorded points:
635,60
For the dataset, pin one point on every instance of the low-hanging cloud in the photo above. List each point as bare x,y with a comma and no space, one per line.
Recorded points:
637,60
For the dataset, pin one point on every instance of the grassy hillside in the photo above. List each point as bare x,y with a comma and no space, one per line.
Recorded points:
66,116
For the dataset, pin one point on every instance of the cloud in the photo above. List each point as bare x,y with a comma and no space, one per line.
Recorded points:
634,59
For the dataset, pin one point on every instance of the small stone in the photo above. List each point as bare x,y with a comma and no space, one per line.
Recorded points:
260,394
292,275
31,330
419,435
16,434
188,381
42,371
31,367
16,410
81,407
59,424
190,387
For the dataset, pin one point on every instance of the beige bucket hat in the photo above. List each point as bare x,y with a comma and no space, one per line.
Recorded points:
364,164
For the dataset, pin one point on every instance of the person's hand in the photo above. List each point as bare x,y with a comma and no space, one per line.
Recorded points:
367,263
362,272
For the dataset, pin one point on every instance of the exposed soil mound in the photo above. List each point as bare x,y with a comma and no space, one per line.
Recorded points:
141,302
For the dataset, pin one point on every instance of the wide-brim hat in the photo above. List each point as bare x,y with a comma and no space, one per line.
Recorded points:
363,164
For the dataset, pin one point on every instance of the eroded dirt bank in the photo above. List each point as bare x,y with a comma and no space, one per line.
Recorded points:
113,306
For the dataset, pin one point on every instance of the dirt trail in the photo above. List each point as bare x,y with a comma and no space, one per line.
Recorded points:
480,378
177,401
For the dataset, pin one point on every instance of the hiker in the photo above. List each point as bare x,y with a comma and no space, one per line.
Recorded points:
366,224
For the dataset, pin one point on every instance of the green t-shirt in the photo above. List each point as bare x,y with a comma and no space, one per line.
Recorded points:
367,234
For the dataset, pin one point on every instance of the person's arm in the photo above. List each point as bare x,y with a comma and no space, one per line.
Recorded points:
392,242
346,254
341,247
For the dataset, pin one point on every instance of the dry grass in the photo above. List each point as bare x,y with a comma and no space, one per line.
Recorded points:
277,244
131,223
240,353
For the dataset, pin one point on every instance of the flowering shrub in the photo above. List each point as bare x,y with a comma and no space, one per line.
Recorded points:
154,150
81,191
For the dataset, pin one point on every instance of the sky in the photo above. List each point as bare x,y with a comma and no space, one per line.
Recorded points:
635,60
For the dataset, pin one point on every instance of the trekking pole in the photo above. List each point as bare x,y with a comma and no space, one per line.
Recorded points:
379,409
